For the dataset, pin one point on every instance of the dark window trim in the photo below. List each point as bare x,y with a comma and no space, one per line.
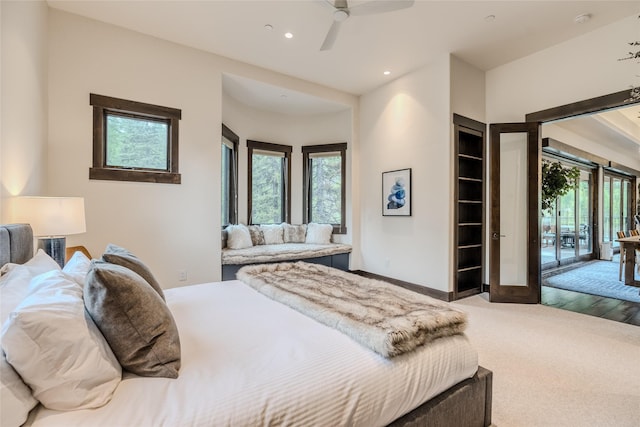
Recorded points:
103,105
286,194
306,181
233,175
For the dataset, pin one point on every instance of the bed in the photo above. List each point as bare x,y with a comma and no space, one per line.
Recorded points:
247,360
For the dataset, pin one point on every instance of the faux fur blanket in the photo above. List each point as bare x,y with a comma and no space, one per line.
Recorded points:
386,318
280,252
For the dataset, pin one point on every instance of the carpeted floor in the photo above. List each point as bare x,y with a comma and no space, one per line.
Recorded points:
554,367
596,278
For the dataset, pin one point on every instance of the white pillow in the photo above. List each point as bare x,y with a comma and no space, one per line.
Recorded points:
77,267
15,397
273,234
40,263
319,233
52,342
238,237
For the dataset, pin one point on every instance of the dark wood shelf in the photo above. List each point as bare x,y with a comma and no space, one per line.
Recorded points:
475,267
469,232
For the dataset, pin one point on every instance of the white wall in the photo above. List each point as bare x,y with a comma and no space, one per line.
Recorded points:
295,130
170,227
581,68
23,111
467,90
406,124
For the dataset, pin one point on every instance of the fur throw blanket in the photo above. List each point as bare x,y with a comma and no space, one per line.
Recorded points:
383,317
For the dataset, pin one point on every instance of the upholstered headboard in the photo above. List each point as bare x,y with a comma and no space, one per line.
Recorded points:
16,243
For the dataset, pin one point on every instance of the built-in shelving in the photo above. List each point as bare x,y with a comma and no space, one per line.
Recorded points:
469,252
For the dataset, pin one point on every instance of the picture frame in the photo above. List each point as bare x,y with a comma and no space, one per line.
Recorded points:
396,192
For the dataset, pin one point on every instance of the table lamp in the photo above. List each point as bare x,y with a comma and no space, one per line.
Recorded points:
52,218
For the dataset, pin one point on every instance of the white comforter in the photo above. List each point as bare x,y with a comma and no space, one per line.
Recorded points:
251,361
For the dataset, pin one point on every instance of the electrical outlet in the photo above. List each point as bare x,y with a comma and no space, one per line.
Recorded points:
182,275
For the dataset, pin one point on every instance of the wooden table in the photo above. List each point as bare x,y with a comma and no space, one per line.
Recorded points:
630,244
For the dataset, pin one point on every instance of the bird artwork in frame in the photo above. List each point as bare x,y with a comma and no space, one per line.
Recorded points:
396,193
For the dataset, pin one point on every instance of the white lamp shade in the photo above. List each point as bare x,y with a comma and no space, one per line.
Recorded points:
51,216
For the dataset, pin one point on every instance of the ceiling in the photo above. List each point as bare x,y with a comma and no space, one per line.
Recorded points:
619,127
399,41
485,34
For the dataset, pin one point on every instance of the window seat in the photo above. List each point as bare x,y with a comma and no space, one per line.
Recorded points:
333,255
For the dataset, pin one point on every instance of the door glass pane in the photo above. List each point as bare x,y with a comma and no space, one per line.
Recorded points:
616,222
567,219
584,214
625,209
513,209
549,234
606,207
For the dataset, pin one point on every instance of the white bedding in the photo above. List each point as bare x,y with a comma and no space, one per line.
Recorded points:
251,361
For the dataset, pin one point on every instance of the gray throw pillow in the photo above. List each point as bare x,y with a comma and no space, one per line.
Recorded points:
257,237
114,254
294,233
134,320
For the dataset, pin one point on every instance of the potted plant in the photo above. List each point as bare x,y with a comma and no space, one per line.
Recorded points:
557,180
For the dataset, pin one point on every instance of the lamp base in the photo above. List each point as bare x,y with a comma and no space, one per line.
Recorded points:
55,247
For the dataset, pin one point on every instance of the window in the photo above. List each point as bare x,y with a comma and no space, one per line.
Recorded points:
567,227
616,205
269,198
133,141
229,176
324,172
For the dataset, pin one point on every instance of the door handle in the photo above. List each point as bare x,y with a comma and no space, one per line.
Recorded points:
496,236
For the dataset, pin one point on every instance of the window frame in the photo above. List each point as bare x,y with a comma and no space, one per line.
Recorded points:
105,105
286,151
232,210
307,150
625,218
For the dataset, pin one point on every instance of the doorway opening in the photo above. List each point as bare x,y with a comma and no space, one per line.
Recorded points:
579,252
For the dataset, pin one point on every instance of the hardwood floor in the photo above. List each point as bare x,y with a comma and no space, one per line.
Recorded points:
608,308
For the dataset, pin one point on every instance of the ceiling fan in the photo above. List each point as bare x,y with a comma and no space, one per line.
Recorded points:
342,11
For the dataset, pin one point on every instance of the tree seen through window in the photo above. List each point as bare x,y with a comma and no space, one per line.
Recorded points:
136,143
267,188
326,187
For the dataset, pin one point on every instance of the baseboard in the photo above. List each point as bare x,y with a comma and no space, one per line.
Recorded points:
434,293
485,287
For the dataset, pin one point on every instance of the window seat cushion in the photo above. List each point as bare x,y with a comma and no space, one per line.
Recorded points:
281,252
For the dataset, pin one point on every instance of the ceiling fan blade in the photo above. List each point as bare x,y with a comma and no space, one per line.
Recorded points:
331,36
379,6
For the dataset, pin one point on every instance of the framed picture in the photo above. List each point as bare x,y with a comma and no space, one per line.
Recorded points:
396,193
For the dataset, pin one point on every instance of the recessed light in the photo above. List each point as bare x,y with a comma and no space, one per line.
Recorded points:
268,27
288,35
386,73
581,19
490,18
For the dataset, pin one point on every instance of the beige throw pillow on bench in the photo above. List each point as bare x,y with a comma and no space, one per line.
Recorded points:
294,233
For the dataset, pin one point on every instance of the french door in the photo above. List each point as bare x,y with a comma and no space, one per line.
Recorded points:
514,254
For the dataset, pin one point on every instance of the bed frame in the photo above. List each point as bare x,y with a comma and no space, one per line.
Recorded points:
466,404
